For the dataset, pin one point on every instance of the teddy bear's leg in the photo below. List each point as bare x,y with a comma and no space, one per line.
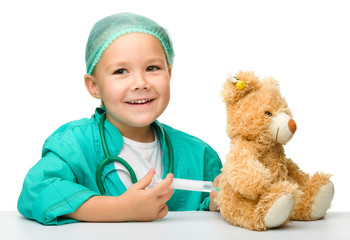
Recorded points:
277,202
317,195
238,210
271,210
279,212
322,201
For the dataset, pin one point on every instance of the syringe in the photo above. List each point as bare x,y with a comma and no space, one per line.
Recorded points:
190,185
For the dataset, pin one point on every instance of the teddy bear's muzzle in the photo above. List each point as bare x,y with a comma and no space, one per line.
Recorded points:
282,127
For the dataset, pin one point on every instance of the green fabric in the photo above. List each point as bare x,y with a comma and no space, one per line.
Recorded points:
105,31
65,176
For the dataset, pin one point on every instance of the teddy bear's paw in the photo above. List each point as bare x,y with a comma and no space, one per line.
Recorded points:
279,211
322,201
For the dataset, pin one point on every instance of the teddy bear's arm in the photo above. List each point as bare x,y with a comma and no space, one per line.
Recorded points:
296,173
246,175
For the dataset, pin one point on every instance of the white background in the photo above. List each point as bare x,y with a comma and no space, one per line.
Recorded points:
303,44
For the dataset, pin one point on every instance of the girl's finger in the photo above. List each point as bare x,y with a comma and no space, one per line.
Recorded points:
146,180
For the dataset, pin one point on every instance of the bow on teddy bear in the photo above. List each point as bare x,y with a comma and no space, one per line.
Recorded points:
260,187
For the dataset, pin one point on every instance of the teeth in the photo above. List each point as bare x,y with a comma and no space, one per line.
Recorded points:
140,101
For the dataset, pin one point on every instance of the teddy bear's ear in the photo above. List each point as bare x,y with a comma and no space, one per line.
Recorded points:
271,83
232,93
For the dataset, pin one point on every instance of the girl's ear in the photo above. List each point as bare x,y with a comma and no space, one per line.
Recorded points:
169,71
91,86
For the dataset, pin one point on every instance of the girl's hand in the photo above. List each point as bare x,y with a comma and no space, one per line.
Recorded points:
148,204
212,205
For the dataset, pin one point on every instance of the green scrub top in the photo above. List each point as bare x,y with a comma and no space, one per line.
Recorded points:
65,176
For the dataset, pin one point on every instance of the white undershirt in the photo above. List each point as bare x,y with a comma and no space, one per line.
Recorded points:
141,157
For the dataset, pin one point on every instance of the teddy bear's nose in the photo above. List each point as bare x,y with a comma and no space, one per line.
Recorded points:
292,125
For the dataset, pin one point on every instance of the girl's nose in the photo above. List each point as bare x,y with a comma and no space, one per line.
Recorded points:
140,82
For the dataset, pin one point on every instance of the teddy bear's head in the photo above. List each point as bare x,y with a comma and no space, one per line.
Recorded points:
258,112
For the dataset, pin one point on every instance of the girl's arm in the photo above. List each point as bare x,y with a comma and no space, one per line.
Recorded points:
136,204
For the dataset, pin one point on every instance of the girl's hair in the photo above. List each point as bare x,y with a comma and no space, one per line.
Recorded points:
105,31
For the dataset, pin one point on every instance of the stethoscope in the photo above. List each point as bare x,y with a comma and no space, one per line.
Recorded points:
109,158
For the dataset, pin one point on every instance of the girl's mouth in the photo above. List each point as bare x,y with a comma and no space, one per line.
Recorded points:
143,101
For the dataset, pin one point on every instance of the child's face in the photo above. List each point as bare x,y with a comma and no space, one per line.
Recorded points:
133,80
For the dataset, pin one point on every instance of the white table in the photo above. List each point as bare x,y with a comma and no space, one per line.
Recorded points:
176,225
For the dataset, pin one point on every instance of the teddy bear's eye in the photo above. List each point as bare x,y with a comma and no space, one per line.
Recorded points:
267,113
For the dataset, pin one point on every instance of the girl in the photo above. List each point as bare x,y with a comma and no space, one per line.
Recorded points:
79,178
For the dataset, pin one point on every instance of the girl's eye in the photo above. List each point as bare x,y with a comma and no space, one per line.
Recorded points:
120,71
152,68
267,113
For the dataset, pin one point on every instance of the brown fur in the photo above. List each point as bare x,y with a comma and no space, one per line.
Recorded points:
256,172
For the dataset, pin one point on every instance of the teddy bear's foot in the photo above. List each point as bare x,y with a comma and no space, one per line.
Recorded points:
322,201
279,211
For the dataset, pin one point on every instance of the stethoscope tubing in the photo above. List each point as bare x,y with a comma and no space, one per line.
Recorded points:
109,158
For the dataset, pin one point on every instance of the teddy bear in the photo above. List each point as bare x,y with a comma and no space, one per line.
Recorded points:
260,188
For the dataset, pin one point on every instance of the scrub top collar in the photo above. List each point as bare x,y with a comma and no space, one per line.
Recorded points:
115,141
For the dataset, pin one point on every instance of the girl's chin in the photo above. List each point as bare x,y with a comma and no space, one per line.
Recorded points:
140,119
140,122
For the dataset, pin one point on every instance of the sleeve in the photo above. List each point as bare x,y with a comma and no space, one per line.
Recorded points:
212,168
50,190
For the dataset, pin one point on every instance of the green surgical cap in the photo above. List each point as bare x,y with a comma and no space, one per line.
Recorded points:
105,31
